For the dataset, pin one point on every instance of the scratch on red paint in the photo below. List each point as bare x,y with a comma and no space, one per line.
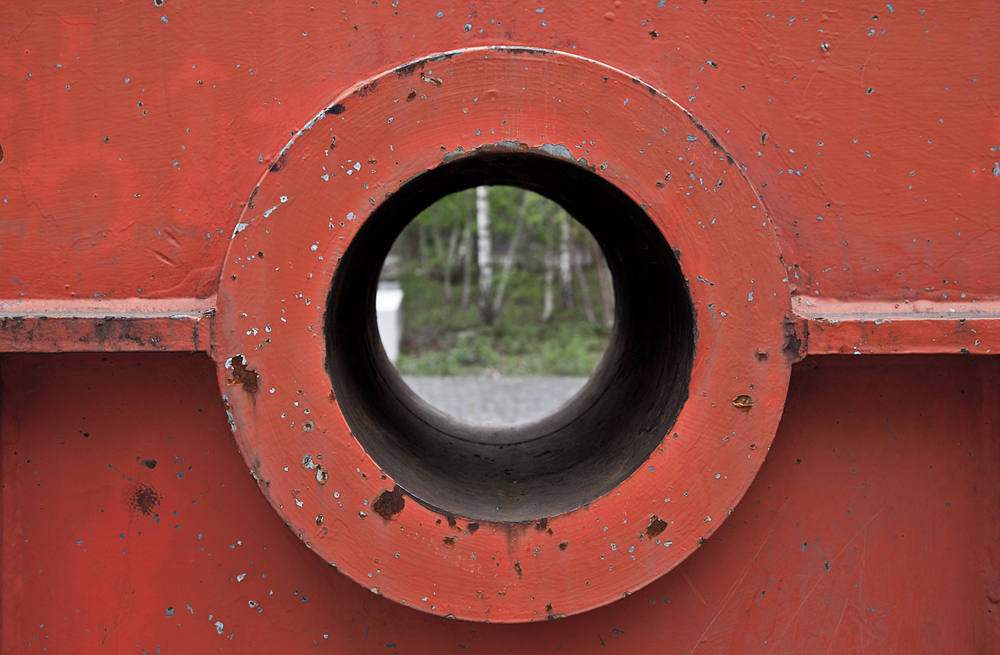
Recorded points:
691,584
820,578
739,583
836,630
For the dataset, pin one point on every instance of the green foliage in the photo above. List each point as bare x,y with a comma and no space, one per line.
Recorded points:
441,339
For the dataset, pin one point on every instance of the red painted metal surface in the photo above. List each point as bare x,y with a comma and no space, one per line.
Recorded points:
872,525
141,144
272,305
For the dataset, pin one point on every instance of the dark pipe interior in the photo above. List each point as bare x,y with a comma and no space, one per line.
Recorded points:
569,458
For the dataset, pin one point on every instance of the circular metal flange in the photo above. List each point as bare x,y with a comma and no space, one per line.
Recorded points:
468,117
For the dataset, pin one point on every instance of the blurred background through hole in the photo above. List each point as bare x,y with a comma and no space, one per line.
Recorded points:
495,305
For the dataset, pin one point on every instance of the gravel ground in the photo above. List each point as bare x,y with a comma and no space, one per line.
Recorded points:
496,401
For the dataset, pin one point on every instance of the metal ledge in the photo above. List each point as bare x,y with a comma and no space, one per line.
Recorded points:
133,324
829,327
886,328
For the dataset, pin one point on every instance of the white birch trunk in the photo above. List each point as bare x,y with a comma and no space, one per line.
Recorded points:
485,254
565,263
550,271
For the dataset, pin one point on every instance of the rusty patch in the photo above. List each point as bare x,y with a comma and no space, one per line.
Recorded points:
473,527
371,87
452,522
149,463
242,375
449,542
412,95
410,69
437,81
517,567
542,525
548,608
795,337
744,403
336,109
656,526
144,499
390,503
332,397
564,545
278,164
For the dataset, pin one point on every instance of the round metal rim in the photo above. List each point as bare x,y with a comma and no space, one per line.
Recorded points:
301,217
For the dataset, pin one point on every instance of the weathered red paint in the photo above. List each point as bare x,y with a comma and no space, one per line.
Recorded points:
893,483
133,139
279,270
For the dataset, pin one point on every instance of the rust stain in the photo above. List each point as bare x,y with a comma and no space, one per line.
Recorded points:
517,567
743,402
332,397
472,527
449,542
242,375
656,526
144,499
390,503
796,336
564,545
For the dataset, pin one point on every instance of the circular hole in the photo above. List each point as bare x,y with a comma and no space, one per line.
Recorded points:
526,345
589,445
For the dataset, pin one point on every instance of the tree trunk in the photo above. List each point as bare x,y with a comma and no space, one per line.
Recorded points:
602,283
465,252
438,241
508,260
588,308
485,254
422,243
449,264
550,269
565,263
